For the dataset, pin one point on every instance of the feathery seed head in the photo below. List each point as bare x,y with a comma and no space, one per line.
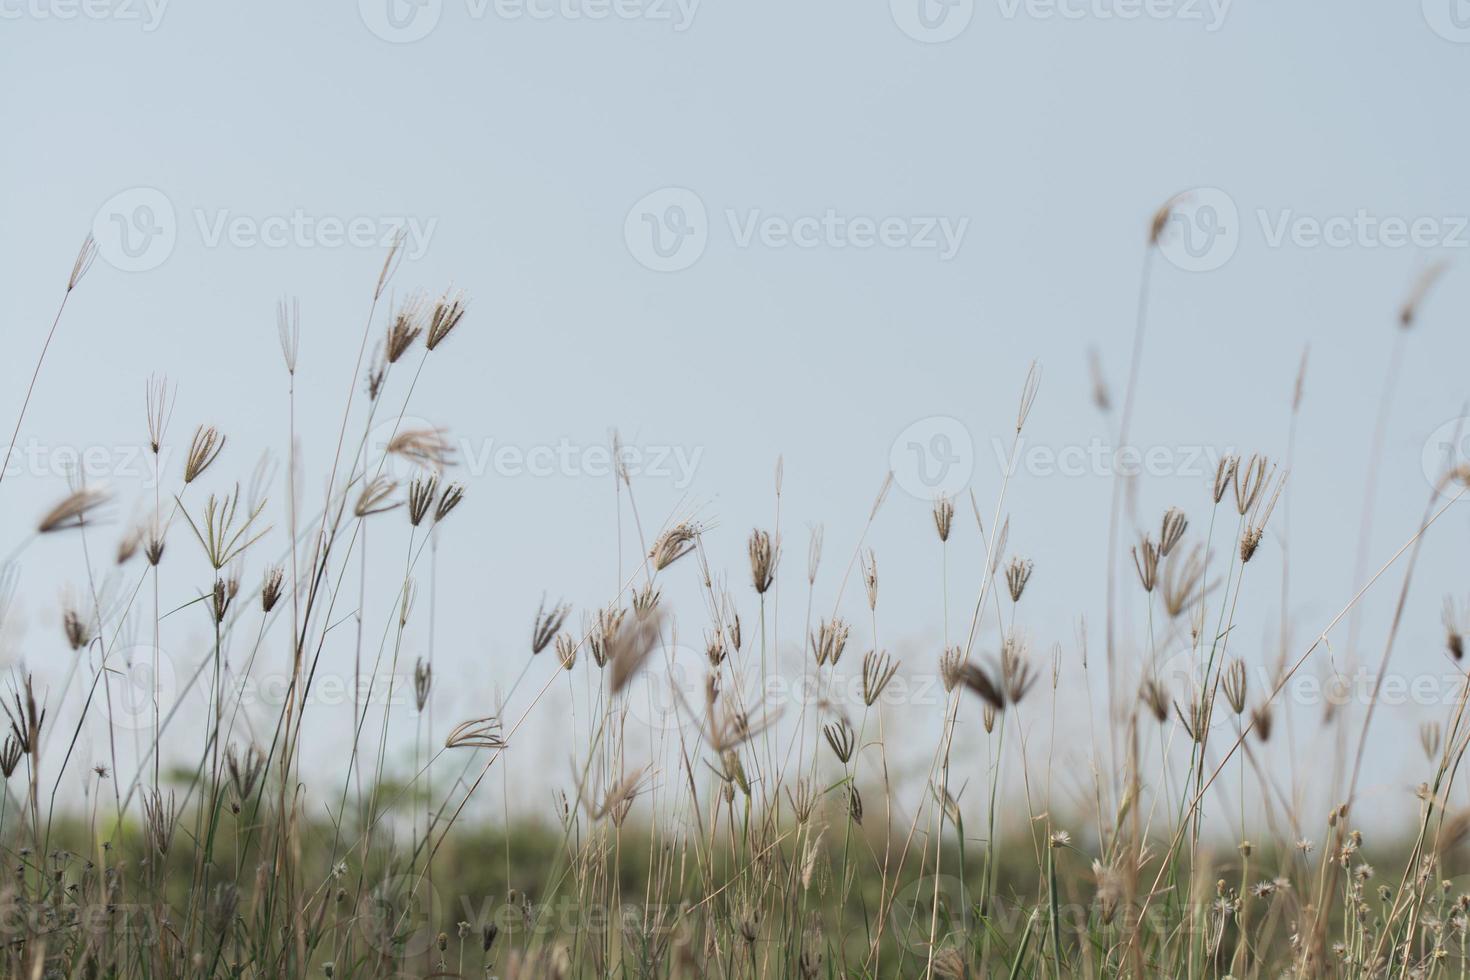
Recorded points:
1146,562
288,331
404,328
1018,573
1234,682
764,556
1225,471
566,651
976,679
1429,738
951,667
204,449
427,448
448,500
830,641
270,590
448,311
814,554
1016,673
1171,529
673,544
630,647
943,516
423,679
878,670
477,733
74,510
376,497
841,738
422,493
1153,695
159,411
547,624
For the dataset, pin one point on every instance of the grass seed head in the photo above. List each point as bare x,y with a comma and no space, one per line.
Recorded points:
943,516
1018,573
1146,563
448,311
376,497
74,510
423,680
204,449
1224,475
1171,529
547,624
673,544
977,680
764,556
404,328
422,493
448,500
878,671
271,588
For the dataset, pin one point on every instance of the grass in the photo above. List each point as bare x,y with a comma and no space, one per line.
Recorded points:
743,837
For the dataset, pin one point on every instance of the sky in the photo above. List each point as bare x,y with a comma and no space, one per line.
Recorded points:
836,235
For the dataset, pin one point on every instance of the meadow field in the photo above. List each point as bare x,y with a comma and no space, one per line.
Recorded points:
724,813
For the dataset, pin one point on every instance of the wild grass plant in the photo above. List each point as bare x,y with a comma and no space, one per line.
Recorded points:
755,835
